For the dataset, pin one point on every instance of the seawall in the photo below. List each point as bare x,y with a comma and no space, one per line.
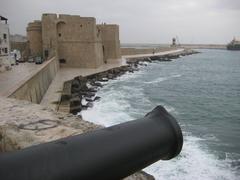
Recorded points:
204,46
136,51
79,93
35,86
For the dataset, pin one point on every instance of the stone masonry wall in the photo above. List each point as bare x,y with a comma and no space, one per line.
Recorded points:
78,44
34,35
34,88
110,41
49,35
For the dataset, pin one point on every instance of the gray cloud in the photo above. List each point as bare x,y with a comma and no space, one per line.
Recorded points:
144,21
228,4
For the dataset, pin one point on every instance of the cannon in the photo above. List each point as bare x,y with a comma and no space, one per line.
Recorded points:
108,153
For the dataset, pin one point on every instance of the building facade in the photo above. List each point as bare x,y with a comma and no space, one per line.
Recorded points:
77,41
5,63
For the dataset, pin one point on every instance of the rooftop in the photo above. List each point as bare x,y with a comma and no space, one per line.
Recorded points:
3,19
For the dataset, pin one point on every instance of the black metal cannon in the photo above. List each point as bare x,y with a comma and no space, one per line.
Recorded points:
109,153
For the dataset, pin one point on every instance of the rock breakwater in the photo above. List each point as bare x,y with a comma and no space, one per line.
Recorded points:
80,93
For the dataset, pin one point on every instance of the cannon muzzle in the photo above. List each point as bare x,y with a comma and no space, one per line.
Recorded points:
109,153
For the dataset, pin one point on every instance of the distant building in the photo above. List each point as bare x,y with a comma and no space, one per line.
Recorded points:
5,63
18,43
234,44
173,41
18,38
77,41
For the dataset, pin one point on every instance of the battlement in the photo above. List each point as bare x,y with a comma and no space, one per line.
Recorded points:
35,26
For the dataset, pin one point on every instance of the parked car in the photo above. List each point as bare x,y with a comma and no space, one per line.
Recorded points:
38,60
31,59
12,60
16,55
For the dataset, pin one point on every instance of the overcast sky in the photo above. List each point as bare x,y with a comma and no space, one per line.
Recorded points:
141,21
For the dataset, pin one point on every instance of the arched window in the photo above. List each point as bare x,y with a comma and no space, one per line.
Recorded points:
60,28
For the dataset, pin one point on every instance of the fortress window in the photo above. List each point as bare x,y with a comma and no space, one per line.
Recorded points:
59,34
81,25
46,53
62,61
6,50
4,36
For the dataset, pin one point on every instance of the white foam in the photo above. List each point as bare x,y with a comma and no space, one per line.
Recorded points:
84,102
160,79
170,109
193,163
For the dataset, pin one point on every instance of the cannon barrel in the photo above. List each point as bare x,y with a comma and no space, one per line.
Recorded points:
109,153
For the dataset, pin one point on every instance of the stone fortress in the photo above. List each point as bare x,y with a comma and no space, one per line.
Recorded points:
76,41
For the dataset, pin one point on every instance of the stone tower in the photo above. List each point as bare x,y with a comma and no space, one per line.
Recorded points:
110,41
34,35
49,35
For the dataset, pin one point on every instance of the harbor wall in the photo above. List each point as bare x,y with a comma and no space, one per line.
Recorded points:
135,51
204,46
34,88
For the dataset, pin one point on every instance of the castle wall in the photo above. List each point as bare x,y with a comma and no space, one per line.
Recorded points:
49,35
34,35
110,40
34,88
78,44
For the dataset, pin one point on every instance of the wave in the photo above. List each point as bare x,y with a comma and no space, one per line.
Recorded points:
196,161
193,163
160,79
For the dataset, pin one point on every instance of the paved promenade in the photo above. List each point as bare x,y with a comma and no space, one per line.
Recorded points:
13,79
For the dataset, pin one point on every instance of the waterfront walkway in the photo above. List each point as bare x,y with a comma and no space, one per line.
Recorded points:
14,78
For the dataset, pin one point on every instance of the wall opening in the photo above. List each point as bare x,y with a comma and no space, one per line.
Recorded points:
62,61
46,54
104,56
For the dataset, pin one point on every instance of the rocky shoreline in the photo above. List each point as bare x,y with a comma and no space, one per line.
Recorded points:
80,93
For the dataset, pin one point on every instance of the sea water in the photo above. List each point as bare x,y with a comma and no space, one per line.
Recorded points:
202,92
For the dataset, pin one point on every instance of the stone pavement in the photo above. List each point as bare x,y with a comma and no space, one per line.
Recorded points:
13,79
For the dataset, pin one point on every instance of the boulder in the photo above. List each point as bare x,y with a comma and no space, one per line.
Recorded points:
75,101
75,109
